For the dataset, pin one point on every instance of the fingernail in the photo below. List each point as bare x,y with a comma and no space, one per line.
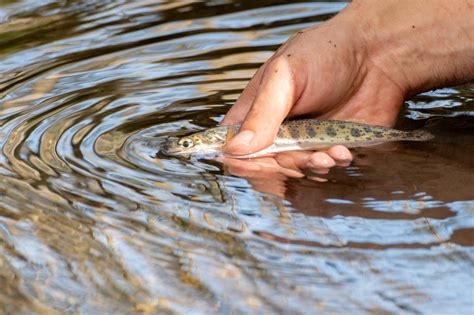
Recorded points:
321,160
241,141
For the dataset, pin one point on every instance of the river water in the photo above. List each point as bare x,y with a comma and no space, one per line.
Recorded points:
93,221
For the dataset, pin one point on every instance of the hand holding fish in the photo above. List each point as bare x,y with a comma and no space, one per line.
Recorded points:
291,147
358,66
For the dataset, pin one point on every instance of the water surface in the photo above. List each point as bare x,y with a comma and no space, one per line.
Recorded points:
93,221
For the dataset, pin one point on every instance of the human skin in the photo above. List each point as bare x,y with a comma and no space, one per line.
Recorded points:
360,66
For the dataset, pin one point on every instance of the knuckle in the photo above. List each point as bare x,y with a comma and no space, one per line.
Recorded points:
278,63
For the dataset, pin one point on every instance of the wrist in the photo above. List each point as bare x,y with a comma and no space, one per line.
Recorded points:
418,44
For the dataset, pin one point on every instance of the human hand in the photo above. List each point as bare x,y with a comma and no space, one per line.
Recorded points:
291,164
356,66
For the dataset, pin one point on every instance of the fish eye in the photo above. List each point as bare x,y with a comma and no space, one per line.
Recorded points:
186,143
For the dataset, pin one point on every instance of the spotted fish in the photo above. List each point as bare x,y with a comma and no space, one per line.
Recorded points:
306,134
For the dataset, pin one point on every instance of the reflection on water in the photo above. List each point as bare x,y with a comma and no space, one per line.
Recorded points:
93,221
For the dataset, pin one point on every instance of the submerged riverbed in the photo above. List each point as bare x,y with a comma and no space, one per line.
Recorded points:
93,221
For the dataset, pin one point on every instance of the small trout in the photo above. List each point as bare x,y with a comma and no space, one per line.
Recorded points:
306,134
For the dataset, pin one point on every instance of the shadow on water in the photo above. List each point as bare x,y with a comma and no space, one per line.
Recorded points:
91,221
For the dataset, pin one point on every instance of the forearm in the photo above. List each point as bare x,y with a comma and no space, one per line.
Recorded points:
419,44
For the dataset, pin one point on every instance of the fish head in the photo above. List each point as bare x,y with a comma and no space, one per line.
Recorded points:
208,141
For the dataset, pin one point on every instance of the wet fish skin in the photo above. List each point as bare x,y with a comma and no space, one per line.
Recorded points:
306,134
207,141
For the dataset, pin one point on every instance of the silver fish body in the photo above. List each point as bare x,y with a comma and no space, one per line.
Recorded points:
307,134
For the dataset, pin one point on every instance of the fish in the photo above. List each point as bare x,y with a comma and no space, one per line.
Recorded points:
304,134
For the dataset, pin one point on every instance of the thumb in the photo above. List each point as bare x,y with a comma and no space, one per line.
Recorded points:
273,102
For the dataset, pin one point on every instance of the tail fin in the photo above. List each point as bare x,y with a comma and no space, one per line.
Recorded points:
420,135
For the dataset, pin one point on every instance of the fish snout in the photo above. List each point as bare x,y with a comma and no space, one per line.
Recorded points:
170,145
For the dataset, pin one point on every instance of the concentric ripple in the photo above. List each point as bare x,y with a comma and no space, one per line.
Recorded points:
94,220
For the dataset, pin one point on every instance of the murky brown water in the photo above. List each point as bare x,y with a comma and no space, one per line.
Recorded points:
91,221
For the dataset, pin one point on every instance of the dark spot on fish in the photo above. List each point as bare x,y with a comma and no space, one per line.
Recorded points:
394,134
289,55
355,132
321,138
369,138
281,133
330,131
342,126
348,138
310,131
367,129
295,133
378,134
413,26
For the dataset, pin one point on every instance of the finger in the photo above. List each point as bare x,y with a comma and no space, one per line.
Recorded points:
318,179
273,184
241,107
292,173
261,167
341,155
320,171
273,101
320,160
271,165
243,165
294,159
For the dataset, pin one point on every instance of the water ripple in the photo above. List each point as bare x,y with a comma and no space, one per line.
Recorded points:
93,219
